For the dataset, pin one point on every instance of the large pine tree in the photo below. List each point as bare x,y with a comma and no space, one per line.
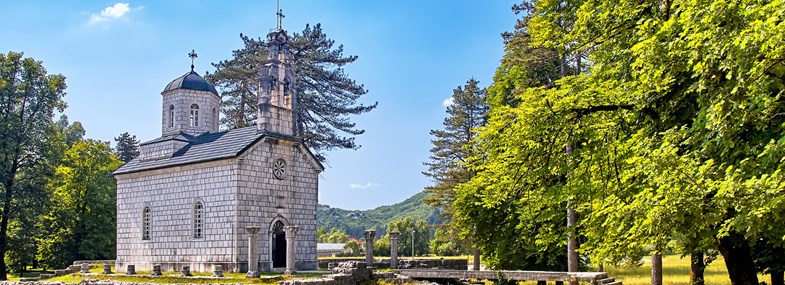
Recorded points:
451,144
326,95
127,147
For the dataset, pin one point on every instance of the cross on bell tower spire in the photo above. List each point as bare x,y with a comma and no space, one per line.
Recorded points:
280,15
193,57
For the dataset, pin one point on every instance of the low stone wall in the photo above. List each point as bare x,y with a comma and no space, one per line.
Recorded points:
78,262
454,264
382,263
348,273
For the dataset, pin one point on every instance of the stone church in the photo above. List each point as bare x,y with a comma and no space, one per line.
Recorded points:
244,199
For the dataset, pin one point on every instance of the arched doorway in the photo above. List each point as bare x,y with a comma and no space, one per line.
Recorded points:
278,245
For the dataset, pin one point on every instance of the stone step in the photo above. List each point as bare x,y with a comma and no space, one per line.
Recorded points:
605,280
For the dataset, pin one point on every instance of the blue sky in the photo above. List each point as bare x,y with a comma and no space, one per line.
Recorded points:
118,56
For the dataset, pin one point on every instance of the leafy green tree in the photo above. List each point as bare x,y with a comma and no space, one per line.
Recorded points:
444,244
326,95
81,225
381,247
517,214
419,231
72,132
352,248
127,147
335,235
673,129
29,98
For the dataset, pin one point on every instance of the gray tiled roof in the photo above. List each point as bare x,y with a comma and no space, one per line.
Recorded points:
205,147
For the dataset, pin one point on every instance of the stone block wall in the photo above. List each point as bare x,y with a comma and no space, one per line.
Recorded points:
263,199
171,194
182,99
160,149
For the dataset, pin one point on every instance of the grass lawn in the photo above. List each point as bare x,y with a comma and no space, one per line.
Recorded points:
675,271
174,277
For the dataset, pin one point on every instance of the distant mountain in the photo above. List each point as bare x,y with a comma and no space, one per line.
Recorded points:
355,222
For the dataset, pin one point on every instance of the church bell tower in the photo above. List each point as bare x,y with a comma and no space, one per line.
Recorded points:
276,112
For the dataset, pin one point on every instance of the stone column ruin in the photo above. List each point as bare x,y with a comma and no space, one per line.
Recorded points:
369,236
253,252
291,237
394,249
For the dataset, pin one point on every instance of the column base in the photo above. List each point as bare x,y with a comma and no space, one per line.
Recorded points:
253,274
289,272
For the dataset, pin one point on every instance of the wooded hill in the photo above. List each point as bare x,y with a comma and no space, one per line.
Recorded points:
354,222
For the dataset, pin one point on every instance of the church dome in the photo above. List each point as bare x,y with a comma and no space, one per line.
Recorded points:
191,81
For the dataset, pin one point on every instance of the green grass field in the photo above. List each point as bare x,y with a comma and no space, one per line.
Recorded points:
675,271
174,277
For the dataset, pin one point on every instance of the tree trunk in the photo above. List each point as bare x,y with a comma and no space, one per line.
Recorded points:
738,259
8,184
776,278
656,269
697,267
476,264
572,243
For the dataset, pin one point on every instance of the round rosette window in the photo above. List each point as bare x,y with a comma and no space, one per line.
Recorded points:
279,168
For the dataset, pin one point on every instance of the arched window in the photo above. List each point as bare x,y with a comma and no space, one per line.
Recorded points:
194,115
146,223
171,116
198,220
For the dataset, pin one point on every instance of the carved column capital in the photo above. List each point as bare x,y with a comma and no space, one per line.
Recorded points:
370,234
253,230
394,235
291,231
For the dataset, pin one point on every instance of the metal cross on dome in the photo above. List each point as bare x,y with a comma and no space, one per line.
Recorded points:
193,57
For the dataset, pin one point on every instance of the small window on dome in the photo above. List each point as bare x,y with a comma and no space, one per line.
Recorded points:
194,115
171,116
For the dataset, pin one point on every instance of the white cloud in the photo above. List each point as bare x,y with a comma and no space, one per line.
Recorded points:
364,186
447,102
117,11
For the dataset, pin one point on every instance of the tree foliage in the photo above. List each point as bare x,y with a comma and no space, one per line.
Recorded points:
676,130
327,97
72,132
127,147
451,145
29,98
81,225
419,231
335,235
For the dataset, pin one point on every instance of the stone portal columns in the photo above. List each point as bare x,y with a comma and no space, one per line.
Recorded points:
291,236
394,249
369,236
253,252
